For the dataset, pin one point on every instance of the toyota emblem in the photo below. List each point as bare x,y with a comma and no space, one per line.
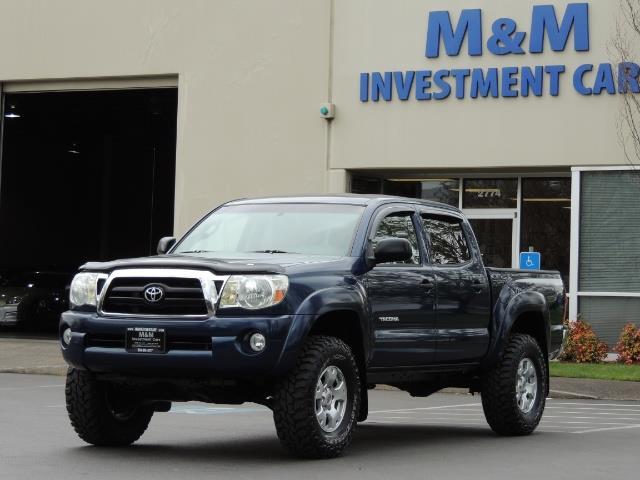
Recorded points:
153,293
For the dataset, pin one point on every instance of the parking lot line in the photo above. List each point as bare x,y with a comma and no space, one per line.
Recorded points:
607,429
424,408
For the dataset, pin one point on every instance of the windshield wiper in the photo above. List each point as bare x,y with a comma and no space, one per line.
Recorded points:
269,251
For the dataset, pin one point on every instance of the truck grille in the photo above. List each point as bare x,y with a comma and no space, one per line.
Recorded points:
180,296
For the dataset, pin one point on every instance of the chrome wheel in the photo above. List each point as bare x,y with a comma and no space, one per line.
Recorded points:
331,398
526,385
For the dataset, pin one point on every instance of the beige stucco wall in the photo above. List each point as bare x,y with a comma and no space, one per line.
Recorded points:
377,35
252,75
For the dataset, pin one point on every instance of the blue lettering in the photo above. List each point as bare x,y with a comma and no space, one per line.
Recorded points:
628,76
381,86
604,80
460,75
532,81
364,87
403,84
578,79
440,27
554,72
508,82
544,21
445,88
505,39
422,83
483,85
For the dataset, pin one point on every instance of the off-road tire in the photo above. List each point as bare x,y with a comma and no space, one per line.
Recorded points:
294,400
94,420
499,389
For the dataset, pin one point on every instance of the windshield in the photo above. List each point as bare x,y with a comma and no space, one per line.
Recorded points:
308,229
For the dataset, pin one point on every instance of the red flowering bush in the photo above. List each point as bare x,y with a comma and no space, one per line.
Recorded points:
628,347
583,345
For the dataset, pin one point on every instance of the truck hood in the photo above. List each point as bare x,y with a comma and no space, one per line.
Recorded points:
215,262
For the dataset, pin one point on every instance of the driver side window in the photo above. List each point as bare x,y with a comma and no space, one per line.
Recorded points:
399,225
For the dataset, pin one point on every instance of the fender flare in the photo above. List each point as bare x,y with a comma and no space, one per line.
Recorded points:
348,297
506,312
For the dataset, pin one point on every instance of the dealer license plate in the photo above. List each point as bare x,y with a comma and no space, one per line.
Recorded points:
146,340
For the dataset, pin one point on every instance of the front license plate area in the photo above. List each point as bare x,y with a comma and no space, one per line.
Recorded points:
146,340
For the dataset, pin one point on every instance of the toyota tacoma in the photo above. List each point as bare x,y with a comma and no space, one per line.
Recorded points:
303,304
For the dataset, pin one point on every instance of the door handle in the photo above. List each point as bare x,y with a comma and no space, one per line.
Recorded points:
427,284
478,286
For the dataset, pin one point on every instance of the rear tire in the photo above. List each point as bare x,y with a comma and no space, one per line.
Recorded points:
315,408
514,391
94,418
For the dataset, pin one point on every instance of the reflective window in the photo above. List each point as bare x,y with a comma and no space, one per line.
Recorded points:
399,225
546,221
364,185
443,190
495,239
448,243
490,193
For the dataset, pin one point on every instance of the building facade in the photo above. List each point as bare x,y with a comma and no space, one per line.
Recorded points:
496,107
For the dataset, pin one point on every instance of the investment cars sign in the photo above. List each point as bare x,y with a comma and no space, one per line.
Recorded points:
548,29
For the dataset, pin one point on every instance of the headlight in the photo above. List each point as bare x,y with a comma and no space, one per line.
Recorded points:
83,290
254,292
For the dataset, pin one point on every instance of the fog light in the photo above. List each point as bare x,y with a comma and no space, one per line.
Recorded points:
257,342
66,336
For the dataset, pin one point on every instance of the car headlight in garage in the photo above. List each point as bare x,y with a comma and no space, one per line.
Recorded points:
254,292
83,292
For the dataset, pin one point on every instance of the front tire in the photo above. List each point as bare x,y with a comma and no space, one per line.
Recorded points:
95,418
315,408
514,391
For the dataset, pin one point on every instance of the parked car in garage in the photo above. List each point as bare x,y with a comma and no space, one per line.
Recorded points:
33,299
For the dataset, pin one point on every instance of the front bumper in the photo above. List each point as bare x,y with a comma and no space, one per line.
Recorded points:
215,347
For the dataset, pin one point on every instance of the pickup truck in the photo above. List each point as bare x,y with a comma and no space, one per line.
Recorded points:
303,304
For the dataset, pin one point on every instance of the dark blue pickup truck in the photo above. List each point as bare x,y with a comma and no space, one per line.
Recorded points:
302,304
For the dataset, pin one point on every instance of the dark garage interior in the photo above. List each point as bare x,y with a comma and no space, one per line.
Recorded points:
85,175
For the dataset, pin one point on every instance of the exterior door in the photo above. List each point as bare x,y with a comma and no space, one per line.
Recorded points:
497,238
463,298
402,298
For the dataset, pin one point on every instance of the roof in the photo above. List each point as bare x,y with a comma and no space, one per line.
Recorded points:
338,199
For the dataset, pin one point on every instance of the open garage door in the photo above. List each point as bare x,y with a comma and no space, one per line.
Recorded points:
85,175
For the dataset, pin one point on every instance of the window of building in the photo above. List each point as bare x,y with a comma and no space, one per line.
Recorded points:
546,221
442,190
490,193
448,243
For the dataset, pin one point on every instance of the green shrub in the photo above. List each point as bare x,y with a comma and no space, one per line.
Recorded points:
628,347
583,345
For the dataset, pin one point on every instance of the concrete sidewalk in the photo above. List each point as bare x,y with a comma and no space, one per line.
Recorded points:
30,355
40,356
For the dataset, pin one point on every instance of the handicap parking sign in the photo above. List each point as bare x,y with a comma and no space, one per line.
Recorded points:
530,260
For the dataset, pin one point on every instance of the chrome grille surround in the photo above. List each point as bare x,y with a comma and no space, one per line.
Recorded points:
207,281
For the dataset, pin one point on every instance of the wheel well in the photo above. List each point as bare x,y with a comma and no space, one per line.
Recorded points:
345,325
532,323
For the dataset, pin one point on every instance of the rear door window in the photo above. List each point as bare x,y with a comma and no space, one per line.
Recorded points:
449,244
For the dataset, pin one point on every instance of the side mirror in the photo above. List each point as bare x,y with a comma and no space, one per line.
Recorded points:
165,244
393,250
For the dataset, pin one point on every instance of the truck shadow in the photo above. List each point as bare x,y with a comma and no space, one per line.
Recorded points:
369,442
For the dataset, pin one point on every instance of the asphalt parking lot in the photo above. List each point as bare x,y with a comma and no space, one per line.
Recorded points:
444,435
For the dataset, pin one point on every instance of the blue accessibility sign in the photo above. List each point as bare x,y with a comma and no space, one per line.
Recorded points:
530,261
